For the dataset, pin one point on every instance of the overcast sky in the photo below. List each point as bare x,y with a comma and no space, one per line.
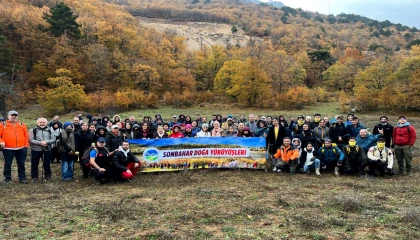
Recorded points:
397,11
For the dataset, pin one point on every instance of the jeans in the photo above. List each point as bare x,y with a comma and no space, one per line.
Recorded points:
404,153
67,166
20,156
315,164
35,156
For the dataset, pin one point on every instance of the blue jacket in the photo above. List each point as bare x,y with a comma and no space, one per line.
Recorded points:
367,142
354,131
331,154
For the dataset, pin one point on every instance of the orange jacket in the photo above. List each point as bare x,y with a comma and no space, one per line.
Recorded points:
287,153
14,135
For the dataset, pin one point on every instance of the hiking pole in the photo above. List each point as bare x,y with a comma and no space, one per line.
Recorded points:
42,159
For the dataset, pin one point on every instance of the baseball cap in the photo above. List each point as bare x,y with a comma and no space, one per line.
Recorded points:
398,117
12,112
101,140
174,116
114,126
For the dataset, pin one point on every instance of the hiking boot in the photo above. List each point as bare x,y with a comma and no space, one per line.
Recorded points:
317,172
34,180
23,181
274,169
336,171
7,181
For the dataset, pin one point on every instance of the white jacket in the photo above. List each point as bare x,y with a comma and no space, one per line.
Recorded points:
385,155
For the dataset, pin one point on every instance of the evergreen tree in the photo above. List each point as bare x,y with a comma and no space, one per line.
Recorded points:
62,21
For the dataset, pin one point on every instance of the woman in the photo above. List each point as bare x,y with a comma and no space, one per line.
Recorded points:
128,134
136,131
188,131
116,119
145,132
176,132
100,132
160,133
262,129
188,120
216,129
67,151
204,131
231,132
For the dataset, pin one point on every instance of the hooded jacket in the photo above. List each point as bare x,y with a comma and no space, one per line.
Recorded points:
98,135
403,136
178,134
113,141
367,142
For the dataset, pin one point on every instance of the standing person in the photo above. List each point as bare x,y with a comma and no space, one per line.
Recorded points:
321,132
56,130
339,133
41,139
387,129
113,140
355,127
14,141
275,136
76,124
83,140
55,120
67,150
404,137
252,124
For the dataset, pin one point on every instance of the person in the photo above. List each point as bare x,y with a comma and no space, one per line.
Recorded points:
262,129
245,133
173,122
113,140
297,127
160,133
350,117
307,135
145,132
99,164
204,131
67,150
215,132
128,133
41,139
381,159
55,119
124,163
288,157
355,126
387,129
339,133
188,131
14,141
231,132
366,140
76,124
315,123
101,131
176,132
56,130
83,139
354,158
309,159
331,157
251,124
404,137
321,132
116,119
275,136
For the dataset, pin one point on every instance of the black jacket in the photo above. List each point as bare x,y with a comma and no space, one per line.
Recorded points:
388,129
83,140
276,142
340,130
113,141
120,161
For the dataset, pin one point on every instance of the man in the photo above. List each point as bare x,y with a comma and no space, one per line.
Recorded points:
14,141
289,157
354,158
297,127
387,129
366,140
99,162
331,157
95,122
124,163
315,123
55,120
83,139
275,136
132,120
251,124
76,124
242,119
321,132
339,133
355,126
404,137
113,140
173,122
380,158
309,159
41,139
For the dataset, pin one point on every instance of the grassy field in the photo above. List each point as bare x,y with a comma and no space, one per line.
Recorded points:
209,204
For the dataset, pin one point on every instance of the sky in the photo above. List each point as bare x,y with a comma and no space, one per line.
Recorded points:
396,11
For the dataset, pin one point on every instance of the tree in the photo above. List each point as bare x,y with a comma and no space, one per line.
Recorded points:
64,95
62,21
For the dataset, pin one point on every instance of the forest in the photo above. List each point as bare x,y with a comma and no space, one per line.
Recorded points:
94,56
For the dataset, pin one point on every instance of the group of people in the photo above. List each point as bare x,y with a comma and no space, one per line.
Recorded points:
100,143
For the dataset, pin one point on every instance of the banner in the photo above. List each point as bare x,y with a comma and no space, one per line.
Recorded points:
173,154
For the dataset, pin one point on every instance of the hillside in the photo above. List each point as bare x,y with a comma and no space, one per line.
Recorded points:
140,53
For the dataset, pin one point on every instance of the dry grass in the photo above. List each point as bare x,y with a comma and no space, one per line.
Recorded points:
214,205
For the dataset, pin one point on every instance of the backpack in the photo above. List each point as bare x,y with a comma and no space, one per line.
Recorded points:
333,148
348,149
86,155
34,132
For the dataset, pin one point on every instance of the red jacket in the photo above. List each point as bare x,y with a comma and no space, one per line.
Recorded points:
401,136
14,135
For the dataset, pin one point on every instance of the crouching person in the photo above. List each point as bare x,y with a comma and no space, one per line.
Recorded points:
99,162
309,159
288,155
331,157
354,158
124,163
380,158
